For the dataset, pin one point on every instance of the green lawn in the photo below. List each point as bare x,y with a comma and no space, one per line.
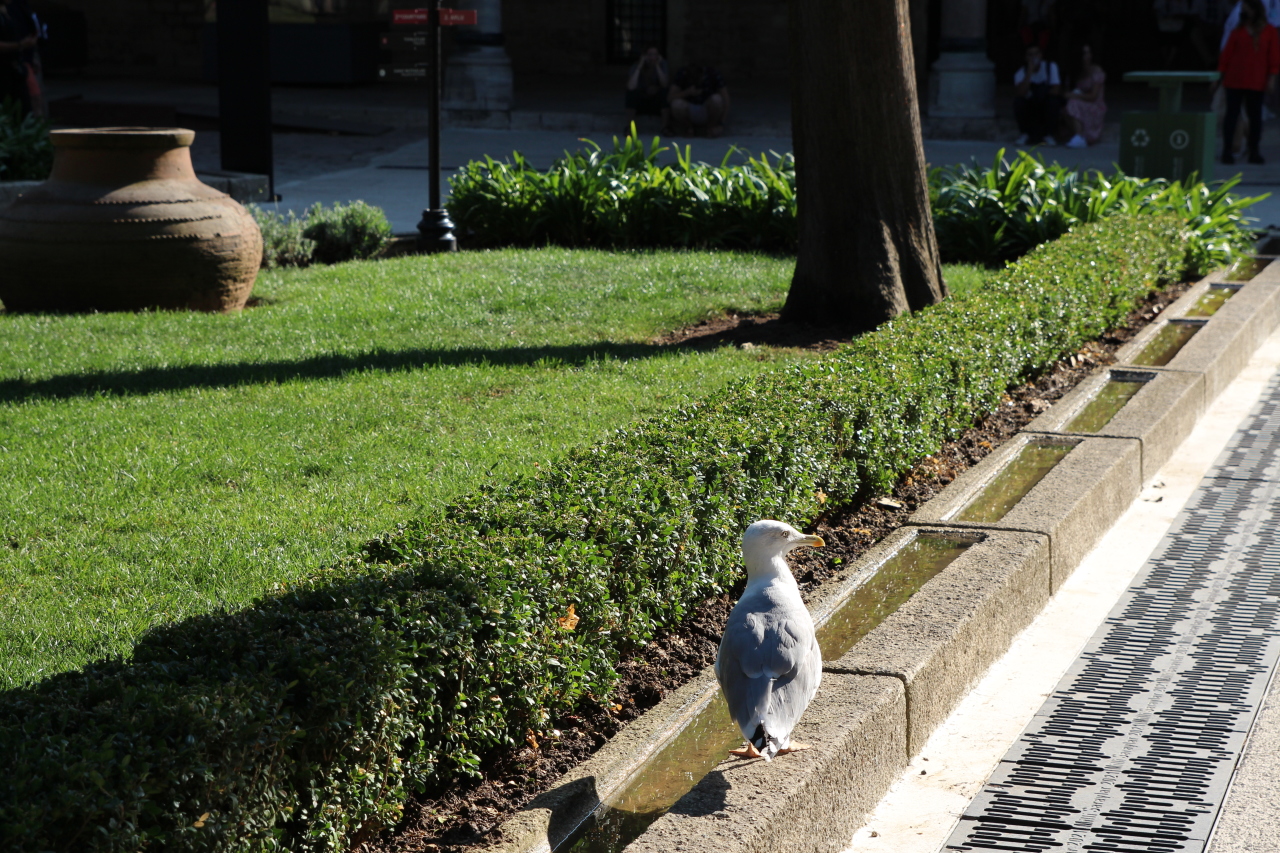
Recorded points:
156,465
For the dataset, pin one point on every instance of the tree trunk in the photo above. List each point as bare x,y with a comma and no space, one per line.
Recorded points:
867,247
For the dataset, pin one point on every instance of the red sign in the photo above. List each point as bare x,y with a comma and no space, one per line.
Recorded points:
448,17
411,16
451,17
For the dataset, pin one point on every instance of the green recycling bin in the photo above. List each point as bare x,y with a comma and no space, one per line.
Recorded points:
1168,143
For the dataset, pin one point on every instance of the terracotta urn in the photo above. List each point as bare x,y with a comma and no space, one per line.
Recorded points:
124,224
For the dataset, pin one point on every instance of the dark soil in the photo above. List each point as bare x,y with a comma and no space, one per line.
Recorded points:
461,818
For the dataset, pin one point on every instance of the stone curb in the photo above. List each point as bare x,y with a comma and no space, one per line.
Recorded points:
880,701
941,641
1074,504
1220,350
1159,416
812,800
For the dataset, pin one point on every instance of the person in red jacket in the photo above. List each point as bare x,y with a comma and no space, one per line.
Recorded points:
1248,64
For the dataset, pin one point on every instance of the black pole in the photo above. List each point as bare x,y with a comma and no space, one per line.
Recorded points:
244,88
435,231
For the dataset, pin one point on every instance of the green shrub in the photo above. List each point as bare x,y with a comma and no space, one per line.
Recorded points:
344,232
283,244
26,154
625,199
989,215
294,723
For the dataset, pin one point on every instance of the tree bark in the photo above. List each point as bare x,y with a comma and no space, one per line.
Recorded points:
867,248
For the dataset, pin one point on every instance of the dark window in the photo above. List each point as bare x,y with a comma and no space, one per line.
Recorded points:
633,26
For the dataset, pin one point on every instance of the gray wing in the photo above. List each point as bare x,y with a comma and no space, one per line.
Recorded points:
769,666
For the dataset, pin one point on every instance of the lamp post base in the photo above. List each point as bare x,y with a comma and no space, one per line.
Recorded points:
435,231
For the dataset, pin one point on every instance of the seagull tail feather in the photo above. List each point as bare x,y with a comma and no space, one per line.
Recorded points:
765,743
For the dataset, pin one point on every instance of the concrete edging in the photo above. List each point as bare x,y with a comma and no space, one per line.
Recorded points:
1159,416
881,701
941,641
1074,504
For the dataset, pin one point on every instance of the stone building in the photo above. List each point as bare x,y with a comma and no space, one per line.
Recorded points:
964,48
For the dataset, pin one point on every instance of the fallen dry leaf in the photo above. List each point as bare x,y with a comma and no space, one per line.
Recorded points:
569,620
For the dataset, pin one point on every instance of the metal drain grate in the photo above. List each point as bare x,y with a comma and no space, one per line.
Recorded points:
1134,750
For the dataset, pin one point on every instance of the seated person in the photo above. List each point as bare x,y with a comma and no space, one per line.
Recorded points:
1037,99
699,101
1086,103
647,88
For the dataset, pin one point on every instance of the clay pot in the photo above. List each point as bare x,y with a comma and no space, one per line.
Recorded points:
123,224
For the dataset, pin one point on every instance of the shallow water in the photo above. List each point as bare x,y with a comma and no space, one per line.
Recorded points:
695,751
1020,476
1167,343
1210,301
1246,268
1105,405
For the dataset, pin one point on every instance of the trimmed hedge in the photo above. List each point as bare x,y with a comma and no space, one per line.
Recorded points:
301,722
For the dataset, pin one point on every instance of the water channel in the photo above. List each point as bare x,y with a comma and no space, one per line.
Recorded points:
1167,343
1109,400
1019,476
699,747
1246,268
1210,301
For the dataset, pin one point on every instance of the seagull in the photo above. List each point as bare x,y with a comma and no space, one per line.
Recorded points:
769,665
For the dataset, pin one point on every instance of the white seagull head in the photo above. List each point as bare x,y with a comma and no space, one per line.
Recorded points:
767,541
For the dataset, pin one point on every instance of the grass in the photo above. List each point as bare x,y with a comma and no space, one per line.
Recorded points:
162,464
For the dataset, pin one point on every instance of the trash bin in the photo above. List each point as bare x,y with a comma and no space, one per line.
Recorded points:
1168,143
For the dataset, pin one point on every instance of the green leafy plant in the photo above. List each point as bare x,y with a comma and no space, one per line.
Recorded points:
283,244
303,720
625,198
996,214
346,232
326,235
26,154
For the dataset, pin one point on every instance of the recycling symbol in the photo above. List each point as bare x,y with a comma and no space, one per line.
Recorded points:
1140,139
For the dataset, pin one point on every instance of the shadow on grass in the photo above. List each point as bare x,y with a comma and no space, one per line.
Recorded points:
159,379
238,716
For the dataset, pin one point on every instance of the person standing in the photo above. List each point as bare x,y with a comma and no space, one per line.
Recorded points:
1248,64
1037,98
15,43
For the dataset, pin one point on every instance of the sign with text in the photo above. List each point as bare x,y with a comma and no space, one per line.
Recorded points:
457,17
411,17
418,72
422,17
410,42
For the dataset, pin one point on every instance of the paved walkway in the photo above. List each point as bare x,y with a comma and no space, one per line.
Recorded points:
370,143
920,814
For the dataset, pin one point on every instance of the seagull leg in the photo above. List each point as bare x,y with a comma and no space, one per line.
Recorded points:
749,751
796,746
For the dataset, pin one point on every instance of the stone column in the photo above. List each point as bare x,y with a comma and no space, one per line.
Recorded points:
963,83
478,76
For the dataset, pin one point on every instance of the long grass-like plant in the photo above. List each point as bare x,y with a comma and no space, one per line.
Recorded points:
627,198
997,214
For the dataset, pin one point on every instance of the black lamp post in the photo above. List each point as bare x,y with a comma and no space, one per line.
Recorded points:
435,231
